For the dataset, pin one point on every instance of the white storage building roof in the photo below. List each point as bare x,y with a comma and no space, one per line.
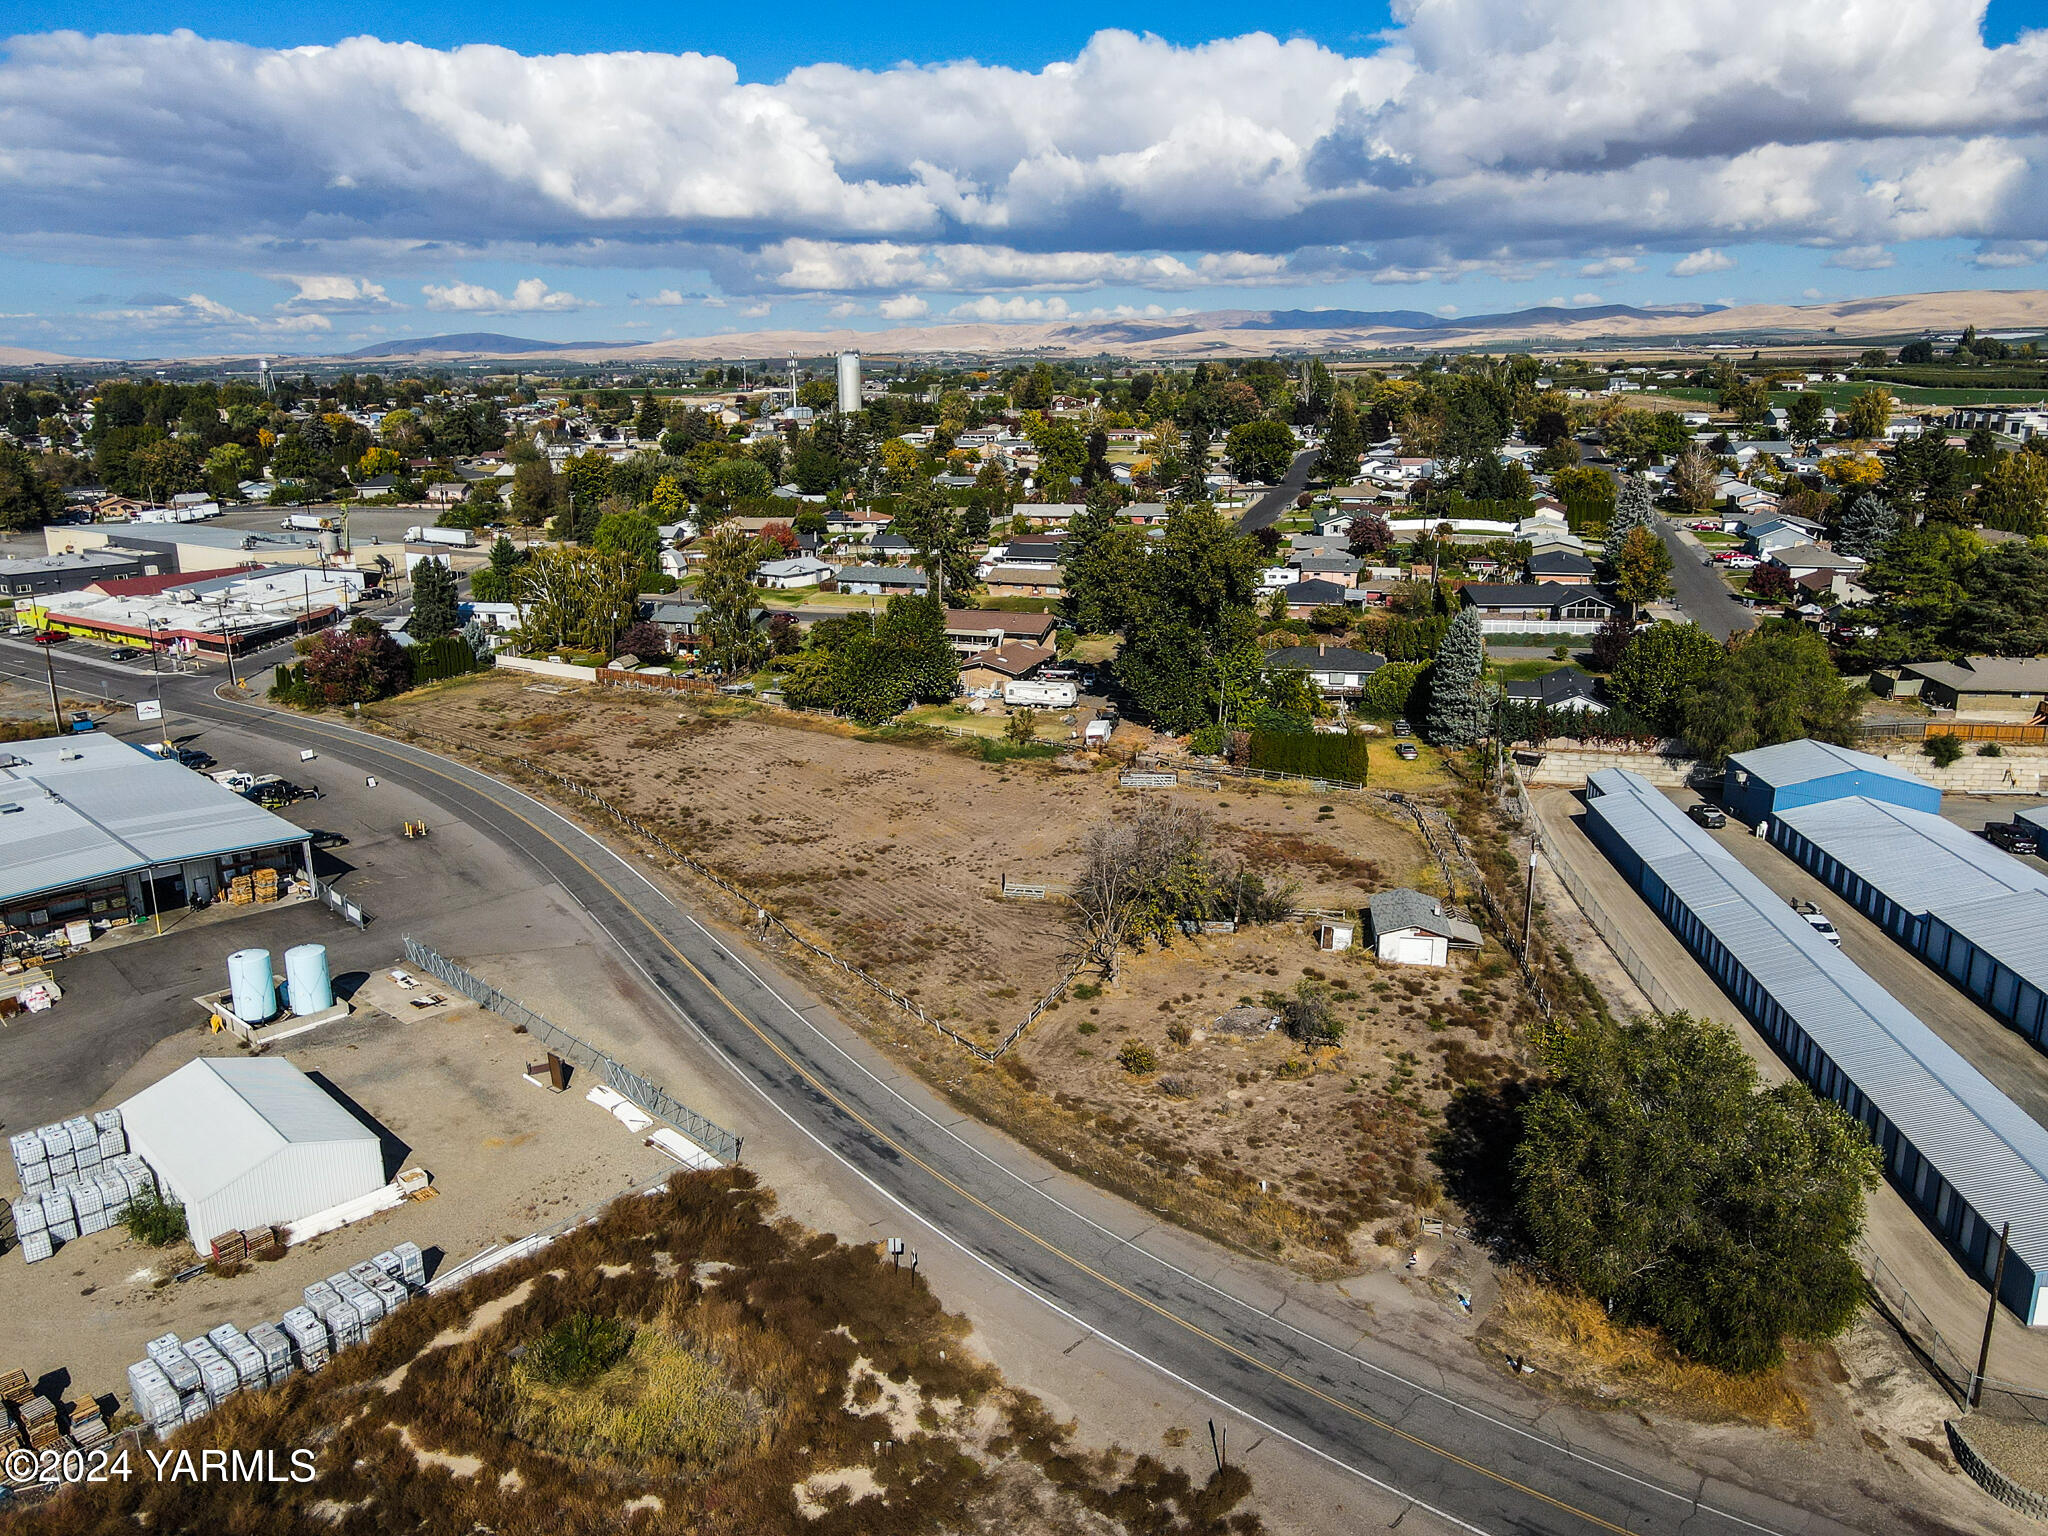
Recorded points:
1918,859
77,808
250,1142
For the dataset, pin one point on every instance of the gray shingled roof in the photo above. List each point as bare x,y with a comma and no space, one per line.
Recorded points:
1400,908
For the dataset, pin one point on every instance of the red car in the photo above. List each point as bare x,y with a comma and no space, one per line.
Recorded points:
48,637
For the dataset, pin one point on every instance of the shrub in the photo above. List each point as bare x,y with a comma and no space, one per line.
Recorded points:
578,1349
1341,759
1021,729
1137,1058
1308,1016
153,1220
1991,749
1943,749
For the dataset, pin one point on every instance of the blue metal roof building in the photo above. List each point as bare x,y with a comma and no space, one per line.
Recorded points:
1962,1153
1974,913
1767,780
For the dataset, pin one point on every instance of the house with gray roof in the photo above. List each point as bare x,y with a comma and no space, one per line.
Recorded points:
1411,928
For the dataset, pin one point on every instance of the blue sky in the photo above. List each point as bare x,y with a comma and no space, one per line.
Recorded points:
635,172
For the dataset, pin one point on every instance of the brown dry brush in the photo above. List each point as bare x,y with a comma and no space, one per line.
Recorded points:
784,1313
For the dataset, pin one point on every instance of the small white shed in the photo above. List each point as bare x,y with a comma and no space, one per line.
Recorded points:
250,1142
1410,928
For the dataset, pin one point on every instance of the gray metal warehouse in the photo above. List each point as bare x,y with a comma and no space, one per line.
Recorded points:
1974,913
246,1142
95,831
1960,1152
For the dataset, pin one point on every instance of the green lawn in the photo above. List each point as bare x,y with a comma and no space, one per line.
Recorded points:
1522,671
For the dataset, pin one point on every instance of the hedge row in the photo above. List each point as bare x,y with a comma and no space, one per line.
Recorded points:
1341,759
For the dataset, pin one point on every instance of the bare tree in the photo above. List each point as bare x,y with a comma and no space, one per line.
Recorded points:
1130,866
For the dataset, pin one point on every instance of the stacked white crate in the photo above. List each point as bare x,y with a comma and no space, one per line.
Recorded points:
85,1200
114,1195
59,1217
368,1306
308,1334
31,1227
85,1142
57,1153
269,1341
183,1375
136,1175
156,1401
31,1161
412,1264
112,1136
250,1371
222,1380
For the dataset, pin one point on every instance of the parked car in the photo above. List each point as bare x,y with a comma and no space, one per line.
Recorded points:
2012,838
1405,750
1815,919
1401,727
1709,816
1709,526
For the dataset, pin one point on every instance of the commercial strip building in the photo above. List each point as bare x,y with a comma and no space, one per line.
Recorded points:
200,614
1978,915
95,831
63,573
1960,1152
1760,783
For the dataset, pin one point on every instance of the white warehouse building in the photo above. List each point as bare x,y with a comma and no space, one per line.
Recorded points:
251,1142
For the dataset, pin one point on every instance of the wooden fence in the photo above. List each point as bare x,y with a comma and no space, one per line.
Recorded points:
1962,730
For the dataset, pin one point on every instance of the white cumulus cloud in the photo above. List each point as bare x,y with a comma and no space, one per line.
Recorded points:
905,306
1702,262
988,307
530,295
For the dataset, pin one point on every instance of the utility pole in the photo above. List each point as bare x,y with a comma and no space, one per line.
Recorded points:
1529,900
227,635
50,670
157,679
1990,1317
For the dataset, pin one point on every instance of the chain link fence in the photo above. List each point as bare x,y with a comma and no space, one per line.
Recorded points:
653,1098
348,911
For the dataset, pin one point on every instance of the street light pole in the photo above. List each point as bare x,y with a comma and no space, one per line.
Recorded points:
50,670
157,679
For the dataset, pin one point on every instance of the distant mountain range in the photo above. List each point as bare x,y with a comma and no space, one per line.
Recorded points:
1263,332
476,344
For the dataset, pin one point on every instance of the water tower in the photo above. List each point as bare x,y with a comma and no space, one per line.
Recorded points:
849,383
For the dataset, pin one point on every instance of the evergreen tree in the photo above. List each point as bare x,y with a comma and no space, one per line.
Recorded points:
1868,523
1459,710
1631,510
433,600
1102,567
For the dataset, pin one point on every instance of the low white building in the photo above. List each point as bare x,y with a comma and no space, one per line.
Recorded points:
797,571
248,1142
1409,928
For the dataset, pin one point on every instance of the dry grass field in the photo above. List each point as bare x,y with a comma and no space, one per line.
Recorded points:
891,853
686,1363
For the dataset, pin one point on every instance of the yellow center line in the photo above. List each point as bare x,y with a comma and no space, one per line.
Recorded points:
976,1201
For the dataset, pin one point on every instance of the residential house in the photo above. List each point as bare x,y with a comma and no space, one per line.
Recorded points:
882,581
683,620
973,630
1340,568
1804,559
985,672
1024,581
1538,608
890,545
1410,928
1337,671
1561,565
796,571
1031,554
1305,597
1560,688
1767,538
1995,688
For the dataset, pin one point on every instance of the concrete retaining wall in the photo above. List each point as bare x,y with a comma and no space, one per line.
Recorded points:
2021,771
561,669
1568,762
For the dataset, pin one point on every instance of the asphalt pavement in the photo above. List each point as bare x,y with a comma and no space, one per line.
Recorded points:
1243,1338
1272,506
1701,593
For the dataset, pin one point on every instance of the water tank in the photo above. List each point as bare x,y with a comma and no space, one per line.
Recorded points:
252,985
306,981
849,382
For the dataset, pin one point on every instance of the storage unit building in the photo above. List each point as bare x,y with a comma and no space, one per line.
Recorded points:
1962,1153
1971,911
250,1142
1770,779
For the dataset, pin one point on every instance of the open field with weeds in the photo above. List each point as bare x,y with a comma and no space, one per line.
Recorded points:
754,1378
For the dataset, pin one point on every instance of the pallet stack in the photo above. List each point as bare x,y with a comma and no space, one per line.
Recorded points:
88,1428
230,1248
241,891
266,885
262,1242
38,1419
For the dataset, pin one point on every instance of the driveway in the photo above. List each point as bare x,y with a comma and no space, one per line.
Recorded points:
1702,594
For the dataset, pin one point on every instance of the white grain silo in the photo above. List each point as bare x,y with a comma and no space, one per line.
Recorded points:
849,382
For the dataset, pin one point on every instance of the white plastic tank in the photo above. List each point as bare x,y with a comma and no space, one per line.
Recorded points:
306,981
252,986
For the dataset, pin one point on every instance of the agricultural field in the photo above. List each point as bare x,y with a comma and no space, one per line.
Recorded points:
891,853
687,1362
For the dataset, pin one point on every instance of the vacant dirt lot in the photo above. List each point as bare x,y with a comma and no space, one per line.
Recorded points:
891,853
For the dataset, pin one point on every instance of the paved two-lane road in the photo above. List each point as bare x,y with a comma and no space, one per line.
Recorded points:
1700,591
1272,506
1257,1346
